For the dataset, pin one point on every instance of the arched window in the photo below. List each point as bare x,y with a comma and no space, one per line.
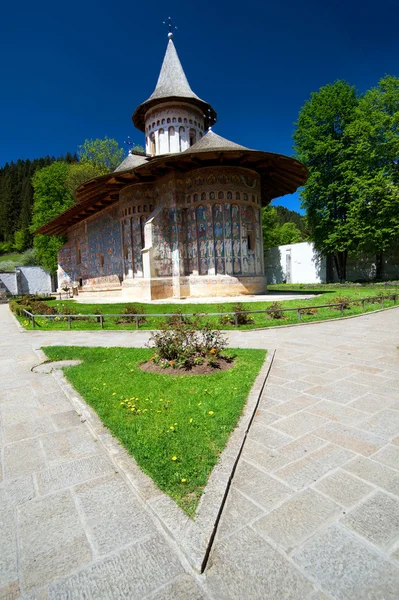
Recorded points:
153,124
163,122
152,144
229,196
171,134
179,120
192,137
191,121
168,120
158,123
174,120
161,140
181,137
211,195
185,120
195,197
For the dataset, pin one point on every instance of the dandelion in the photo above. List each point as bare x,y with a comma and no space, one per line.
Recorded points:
199,403
183,480
172,428
191,421
174,457
161,399
210,412
114,393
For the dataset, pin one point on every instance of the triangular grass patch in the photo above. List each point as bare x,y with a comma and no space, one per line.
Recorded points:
174,427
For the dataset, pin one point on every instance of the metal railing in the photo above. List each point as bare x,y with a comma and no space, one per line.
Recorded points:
277,310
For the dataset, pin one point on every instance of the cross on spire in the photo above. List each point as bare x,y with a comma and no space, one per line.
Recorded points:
171,27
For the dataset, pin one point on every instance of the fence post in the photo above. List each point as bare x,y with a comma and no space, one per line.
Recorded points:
137,321
342,309
236,319
382,302
33,321
102,321
69,322
363,304
299,314
394,299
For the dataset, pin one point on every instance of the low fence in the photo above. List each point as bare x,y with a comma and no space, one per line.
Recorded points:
299,310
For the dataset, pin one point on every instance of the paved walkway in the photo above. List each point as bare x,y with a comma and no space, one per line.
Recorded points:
313,512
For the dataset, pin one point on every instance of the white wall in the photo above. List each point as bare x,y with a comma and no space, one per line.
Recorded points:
294,263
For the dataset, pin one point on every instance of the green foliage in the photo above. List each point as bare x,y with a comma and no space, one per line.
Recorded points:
104,154
239,316
79,173
282,226
186,342
7,266
51,198
322,144
179,425
275,311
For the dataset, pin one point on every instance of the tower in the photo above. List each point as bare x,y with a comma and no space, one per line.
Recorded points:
174,117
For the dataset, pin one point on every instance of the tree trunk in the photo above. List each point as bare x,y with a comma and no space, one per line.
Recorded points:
340,259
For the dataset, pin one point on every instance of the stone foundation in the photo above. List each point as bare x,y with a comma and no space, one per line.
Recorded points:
194,286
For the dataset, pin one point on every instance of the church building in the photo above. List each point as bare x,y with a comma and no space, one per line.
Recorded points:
185,219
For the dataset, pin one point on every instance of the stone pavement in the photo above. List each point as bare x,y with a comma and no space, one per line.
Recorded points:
313,512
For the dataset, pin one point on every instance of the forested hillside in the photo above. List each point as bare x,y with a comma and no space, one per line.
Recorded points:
16,200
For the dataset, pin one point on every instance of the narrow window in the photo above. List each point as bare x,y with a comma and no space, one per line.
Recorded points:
101,260
181,138
192,137
171,133
152,142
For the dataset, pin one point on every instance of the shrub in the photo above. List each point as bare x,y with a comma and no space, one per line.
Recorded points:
7,266
275,311
341,300
308,311
177,319
184,345
240,316
133,309
41,308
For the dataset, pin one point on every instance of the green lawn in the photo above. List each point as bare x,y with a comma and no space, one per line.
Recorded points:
175,427
13,257
324,294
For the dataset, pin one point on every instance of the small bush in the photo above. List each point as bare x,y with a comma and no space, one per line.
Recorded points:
275,311
308,311
185,345
41,308
341,300
133,309
7,266
240,316
177,319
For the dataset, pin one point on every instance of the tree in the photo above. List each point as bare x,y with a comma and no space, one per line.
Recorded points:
51,197
322,144
104,154
374,135
78,173
276,230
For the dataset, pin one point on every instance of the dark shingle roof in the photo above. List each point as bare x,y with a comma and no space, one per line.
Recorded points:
131,161
213,141
172,84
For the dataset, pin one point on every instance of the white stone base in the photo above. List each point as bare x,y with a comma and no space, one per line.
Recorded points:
194,286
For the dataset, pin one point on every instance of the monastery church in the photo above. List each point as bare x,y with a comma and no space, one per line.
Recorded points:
182,220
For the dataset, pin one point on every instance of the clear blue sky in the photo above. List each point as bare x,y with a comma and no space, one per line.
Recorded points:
77,70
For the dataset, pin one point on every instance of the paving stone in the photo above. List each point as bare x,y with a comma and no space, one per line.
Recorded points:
184,588
371,403
389,456
51,538
268,437
267,403
12,414
246,566
298,385
396,441
265,418
23,457
297,519
73,472
16,491
278,392
293,406
301,447
129,574
55,402
66,420
238,511
384,423
10,592
343,488
359,441
375,473
305,471
8,548
267,458
112,514
338,392
347,568
69,444
259,487
15,433
336,412
376,519
299,424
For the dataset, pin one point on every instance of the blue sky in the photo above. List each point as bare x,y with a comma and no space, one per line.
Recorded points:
77,70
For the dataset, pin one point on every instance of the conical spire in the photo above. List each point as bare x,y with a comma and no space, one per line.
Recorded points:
172,84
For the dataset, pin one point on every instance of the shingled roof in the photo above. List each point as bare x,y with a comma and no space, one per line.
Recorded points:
131,161
172,84
213,141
